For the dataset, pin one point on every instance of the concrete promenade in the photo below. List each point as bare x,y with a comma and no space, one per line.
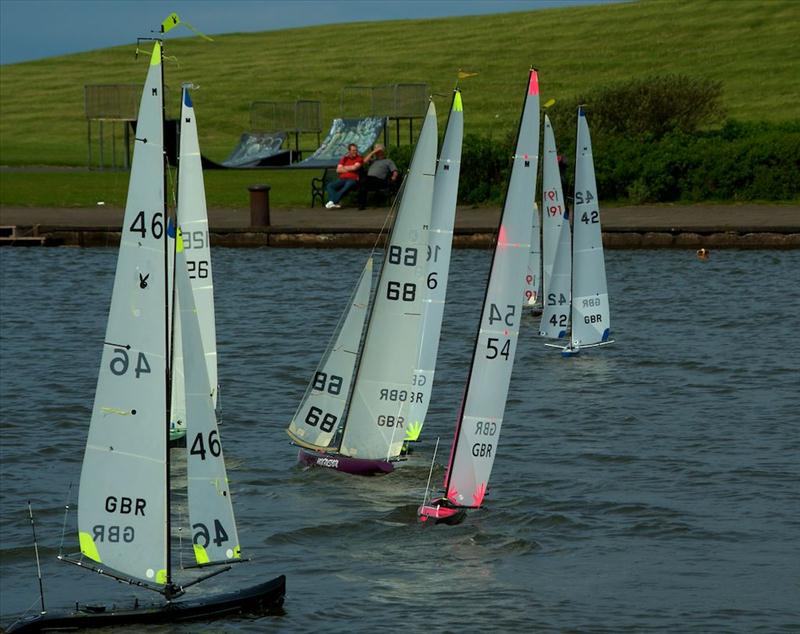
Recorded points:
653,226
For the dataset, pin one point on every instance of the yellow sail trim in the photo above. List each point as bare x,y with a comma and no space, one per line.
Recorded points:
413,431
200,554
155,58
457,107
237,552
179,241
88,547
161,576
170,23
114,410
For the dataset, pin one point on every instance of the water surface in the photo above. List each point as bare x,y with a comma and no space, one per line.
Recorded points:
649,485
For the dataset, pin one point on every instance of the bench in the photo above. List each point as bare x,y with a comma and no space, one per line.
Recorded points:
319,183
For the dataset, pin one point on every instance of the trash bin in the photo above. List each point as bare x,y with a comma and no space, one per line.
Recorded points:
259,205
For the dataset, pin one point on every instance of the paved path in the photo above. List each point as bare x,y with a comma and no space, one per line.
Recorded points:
701,218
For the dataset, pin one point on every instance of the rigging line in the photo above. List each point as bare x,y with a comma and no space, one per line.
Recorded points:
23,615
430,473
64,526
36,551
389,218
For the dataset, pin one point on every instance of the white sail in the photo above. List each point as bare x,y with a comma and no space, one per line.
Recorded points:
122,509
193,220
384,388
320,412
533,276
556,244
481,417
440,245
591,322
214,534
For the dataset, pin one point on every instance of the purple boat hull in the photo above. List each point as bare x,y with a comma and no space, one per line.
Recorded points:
354,466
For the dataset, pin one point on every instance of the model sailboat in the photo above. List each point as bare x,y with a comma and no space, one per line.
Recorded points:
477,432
124,513
556,244
377,408
591,318
193,217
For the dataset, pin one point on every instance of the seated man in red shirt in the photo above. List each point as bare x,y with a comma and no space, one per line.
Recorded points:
348,171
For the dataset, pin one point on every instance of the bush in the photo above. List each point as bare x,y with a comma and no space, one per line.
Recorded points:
651,106
739,162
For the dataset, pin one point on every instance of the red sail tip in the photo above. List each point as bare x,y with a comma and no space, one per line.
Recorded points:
502,236
533,86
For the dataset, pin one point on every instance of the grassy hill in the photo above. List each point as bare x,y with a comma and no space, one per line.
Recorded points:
749,45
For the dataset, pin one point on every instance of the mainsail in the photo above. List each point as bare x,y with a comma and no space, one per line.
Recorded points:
440,245
318,416
122,505
478,428
556,244
591,322
384,387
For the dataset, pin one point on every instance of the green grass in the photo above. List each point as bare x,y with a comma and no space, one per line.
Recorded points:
749,45
86,189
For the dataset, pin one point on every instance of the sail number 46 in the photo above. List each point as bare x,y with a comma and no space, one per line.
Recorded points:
120,362
203,537
199,445
156,225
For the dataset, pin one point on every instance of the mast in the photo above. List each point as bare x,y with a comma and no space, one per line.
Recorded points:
169,304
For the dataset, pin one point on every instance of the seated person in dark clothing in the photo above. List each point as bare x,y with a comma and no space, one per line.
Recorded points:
382,173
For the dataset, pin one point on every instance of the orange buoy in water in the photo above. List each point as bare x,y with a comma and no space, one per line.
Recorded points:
703,254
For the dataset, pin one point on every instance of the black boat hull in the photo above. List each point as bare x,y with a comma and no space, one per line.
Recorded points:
260,599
